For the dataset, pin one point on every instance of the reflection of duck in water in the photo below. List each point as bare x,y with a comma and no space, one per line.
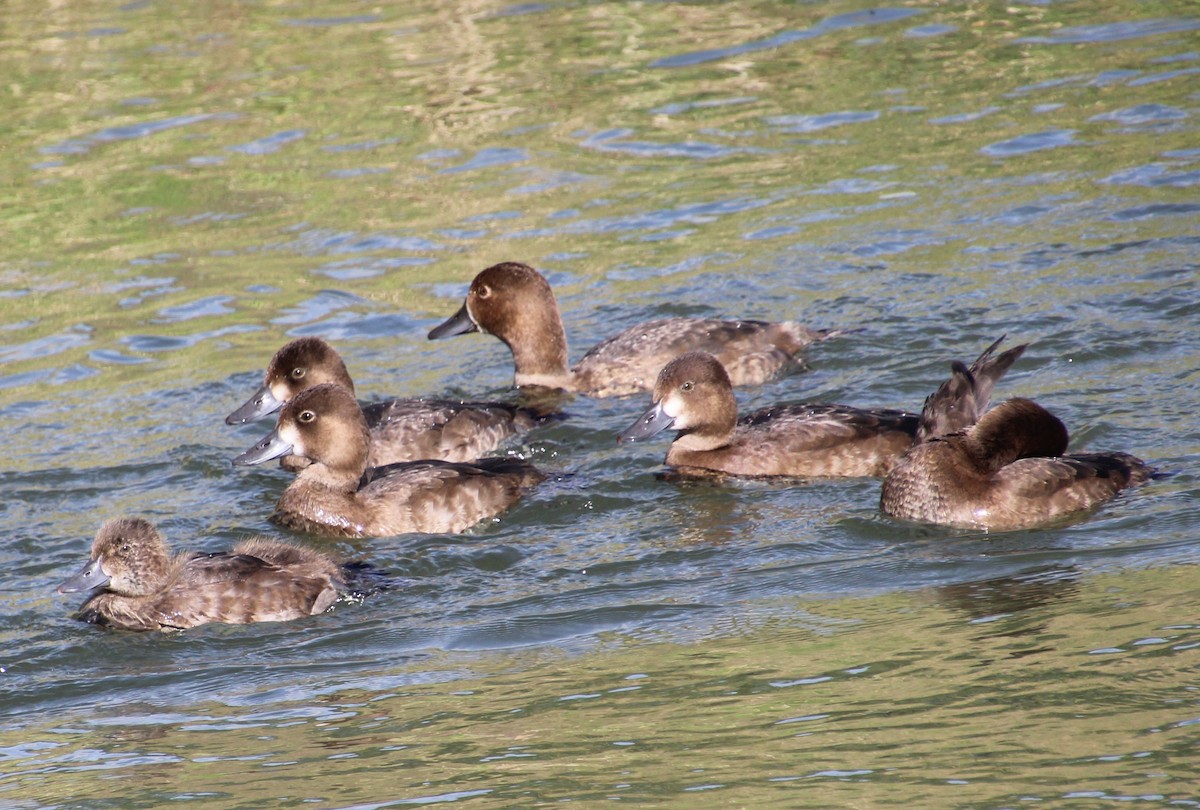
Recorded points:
694,396
140,586
514,302
1008,471
1008,595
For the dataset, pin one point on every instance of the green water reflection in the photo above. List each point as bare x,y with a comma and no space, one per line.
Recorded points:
913,699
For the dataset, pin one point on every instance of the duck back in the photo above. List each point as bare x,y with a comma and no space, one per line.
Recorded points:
752,352
433,497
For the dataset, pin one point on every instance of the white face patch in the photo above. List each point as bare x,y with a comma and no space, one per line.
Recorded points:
280,391
291,435
674,406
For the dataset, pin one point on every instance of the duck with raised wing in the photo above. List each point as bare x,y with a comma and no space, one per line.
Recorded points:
400,429
139,585
693,395
1008,471
515,303
338,494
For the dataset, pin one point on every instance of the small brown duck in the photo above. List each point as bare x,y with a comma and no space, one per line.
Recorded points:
140,586
514,302
339,495
694,396
401,429
1006,472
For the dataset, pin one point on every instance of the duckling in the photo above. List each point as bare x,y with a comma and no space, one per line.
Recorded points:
514,302
339,495
694,396
139,586
1006,472
401,429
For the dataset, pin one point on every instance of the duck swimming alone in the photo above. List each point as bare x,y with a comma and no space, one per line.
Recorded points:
1006,472
140,586
694,396
401,429
337,494
514,302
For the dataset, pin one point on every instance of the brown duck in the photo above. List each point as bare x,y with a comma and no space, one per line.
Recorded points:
1008,471
338,494
139,585
514,302
693,395
400,429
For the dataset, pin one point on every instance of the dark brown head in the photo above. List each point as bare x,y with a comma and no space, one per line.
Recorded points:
299,365
129,558
323,424
514,302
693,395
1016,428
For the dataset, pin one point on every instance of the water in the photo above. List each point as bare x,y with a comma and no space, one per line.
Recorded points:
187,187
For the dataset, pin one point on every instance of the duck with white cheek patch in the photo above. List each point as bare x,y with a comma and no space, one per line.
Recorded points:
338,494
693,395
400,429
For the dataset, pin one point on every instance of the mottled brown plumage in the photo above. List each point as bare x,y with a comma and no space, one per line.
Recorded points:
515,303
693,395
1009,471
400,429
338,494
143,587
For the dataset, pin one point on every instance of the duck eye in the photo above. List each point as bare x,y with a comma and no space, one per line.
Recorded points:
484,291
297,373
124,548
306,416
688,386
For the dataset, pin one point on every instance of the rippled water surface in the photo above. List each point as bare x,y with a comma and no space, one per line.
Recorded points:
188,186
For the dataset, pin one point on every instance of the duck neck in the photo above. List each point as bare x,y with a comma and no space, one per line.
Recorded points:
539,348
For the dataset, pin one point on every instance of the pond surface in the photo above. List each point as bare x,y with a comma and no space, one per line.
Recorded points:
188,186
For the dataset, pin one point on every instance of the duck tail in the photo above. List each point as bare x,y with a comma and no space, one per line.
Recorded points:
964,397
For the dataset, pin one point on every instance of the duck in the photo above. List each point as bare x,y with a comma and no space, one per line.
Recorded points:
339,495
400,429
1008,471
138,584
514,302
694,395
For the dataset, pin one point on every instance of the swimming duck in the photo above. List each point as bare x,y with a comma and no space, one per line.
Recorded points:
401,429
514,302
694,396
339,495
1006,472
140,586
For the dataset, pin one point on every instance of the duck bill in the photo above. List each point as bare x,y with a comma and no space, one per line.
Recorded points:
459,323
262,403
90,577
273,446
652,422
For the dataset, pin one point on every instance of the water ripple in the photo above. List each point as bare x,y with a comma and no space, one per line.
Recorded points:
855,19
1114,32
79,146
1033,142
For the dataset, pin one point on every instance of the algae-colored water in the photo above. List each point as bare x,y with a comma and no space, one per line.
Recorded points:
187,186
